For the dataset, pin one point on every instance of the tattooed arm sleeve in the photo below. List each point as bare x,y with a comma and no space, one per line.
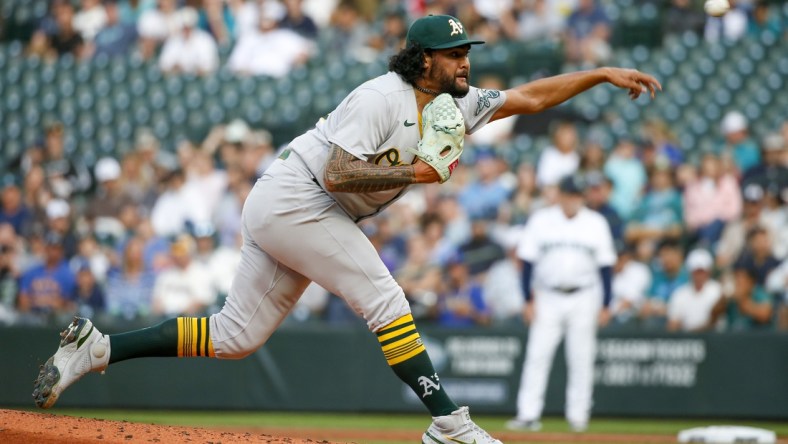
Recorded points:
348,174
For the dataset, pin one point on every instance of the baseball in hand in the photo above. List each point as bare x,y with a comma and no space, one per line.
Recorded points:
716,8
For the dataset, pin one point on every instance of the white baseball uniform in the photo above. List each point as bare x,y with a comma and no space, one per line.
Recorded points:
296,232
567,254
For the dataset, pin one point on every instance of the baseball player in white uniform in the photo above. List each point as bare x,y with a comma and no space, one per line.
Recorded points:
299,221
567,254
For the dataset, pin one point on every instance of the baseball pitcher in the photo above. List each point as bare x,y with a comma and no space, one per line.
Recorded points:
299,222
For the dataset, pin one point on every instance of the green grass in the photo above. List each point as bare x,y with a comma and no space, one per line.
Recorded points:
395,421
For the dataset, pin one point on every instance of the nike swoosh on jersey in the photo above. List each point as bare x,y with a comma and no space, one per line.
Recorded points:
409,123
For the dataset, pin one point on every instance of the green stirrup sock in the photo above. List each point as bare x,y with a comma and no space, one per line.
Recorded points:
407,356
181,337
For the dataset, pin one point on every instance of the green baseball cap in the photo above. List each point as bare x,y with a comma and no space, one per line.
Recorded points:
439,32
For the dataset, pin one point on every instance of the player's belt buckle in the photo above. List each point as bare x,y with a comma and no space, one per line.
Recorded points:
566,290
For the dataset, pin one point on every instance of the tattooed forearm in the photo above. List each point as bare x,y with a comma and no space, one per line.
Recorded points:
348,174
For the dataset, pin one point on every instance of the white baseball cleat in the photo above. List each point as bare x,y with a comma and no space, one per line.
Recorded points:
82,349
456,428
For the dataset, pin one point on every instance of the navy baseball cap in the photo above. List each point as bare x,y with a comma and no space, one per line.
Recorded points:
439,32
572,184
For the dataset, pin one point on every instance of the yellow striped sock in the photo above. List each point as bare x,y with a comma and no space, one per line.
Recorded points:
400,341
194,338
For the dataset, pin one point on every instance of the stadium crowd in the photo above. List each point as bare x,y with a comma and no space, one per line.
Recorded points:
702,238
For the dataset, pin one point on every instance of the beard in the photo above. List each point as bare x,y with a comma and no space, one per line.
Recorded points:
448,83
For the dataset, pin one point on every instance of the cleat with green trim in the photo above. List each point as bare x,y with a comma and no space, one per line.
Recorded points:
457,428
82,349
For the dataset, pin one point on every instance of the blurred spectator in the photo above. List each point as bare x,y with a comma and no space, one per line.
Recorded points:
185,288
592,158
486,193
481,251
764,20
532,21
59,216
66,39
588,34
525,198
777,285
156,25
90,19
659,215
682,16
227,216
455,219
772,174
419,277
13,210
391,36
9,273
461,303
131,10
296,20
667,275
631,281
217,17
738,144
48,288
177,205
268,50
691,306
130,284
137,180
109,199
205,180
729,27
628,177
750,308
88,295
90,254
251,12
734,236
561,159
597,196
156,249
36,194
190,50
117,38
502,290
663,143
66,175
757,257
710,201
348,33
220,263
434,229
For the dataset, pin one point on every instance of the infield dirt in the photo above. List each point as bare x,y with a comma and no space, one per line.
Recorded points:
23,427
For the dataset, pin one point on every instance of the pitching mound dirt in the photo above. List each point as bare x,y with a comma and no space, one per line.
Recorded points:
18,427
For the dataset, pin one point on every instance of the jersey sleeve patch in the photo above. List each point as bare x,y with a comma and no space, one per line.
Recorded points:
484,99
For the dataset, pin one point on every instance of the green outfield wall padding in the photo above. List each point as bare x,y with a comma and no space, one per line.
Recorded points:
321,368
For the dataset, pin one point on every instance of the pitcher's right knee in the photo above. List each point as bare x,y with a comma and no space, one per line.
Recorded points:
233,341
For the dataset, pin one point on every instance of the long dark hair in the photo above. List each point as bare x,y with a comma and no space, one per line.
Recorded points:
409,62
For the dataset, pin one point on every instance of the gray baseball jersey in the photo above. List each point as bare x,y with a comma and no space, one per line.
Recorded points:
376,123
295,232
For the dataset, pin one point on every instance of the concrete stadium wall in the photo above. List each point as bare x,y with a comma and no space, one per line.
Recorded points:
342,369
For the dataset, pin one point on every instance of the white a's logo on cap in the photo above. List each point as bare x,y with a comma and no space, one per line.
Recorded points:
456,27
